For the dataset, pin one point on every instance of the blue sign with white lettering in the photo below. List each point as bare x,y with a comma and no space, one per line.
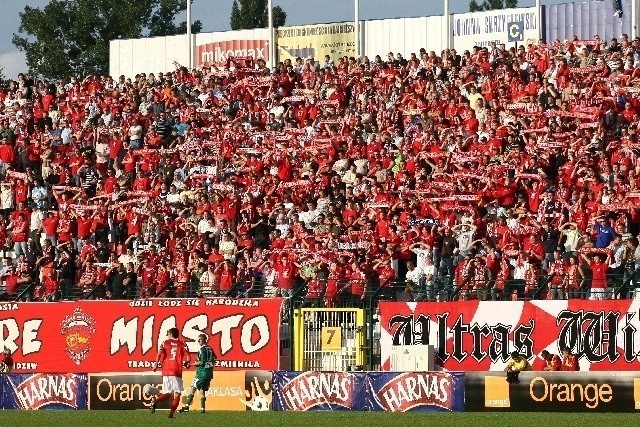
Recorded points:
515,31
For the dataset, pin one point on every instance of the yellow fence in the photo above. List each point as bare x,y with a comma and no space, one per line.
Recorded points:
329,339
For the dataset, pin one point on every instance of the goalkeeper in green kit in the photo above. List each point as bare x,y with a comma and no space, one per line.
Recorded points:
204,374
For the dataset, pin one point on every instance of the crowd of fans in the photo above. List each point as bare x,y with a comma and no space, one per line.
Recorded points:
492,173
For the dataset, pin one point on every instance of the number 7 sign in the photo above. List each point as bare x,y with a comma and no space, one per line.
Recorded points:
331,338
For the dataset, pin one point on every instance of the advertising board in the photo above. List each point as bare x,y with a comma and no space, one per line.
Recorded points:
219,52
117,336
43,391
230,390
318,40
483,28
554,392
368,391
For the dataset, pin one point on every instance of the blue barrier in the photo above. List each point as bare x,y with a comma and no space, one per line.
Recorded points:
43,391
368,391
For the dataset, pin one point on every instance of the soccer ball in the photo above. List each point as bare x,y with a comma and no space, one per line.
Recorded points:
150,390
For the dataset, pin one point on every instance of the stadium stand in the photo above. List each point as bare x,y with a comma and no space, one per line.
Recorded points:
484,174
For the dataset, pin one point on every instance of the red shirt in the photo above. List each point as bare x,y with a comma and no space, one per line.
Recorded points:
109,184
20,230
599,271
173,354
332,285
50,285
50,225
11,283
21,192
148,276
570,363
358,281
115,146
555,363
7,360
7,155
226,279
64,230
314,289
285,276
84,227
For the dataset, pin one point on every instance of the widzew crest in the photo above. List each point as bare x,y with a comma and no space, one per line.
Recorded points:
77,329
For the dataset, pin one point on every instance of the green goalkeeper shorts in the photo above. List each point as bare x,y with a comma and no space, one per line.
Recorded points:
201,383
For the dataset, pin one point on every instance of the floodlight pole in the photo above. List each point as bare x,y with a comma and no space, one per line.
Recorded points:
189,37
539,20
447,23
272,44
634,19
356,22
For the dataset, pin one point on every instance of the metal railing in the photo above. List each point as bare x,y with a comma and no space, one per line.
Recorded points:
443,289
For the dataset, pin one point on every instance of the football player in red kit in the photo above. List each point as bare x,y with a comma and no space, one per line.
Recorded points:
174,356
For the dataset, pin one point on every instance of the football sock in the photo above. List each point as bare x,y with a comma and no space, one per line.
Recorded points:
202,400
175,403
162,397
189,400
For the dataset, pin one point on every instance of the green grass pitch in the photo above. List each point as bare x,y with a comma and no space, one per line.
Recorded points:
314,419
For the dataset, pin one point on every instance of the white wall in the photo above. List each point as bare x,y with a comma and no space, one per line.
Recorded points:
147,55
404,35
157,54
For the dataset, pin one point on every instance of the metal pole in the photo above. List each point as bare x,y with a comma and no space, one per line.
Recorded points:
538,20
272,44
356,21
189,38
447,22
634,16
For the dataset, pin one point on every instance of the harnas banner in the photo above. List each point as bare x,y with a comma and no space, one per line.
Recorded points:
480,335
368,391
116,336
43,391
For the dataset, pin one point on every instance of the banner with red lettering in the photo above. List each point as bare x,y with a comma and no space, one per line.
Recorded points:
480,335
117,336
219,52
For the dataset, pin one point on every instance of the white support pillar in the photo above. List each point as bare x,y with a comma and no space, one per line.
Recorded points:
189,36
356,21
539,19
447,25
272,41
634,19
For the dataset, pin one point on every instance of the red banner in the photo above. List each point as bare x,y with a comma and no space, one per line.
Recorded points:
480,335
117,336
219,52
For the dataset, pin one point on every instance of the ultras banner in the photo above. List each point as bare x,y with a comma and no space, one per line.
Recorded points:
480,335
43,391
116,336
368,391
